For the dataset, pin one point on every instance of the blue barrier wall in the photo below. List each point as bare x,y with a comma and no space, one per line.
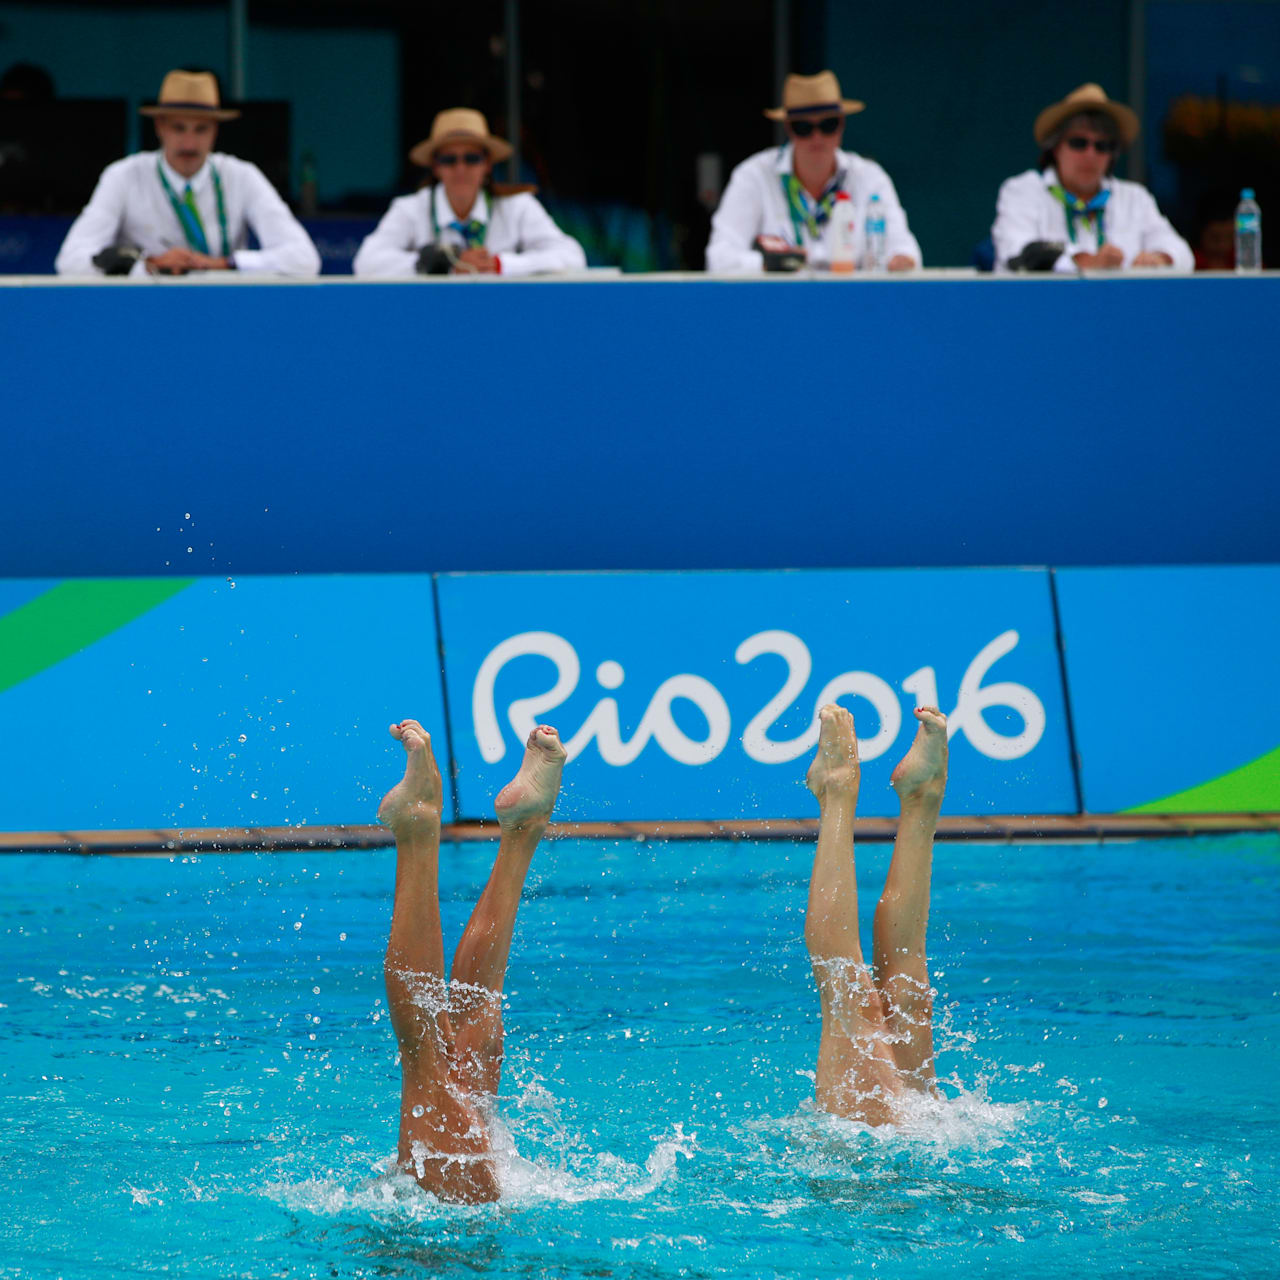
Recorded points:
692,424
265,701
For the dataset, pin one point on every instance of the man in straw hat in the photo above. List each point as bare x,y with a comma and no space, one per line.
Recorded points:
776,211
1070,213
461,222
185,207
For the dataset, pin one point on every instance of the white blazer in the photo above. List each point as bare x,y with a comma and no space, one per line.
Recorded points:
519,232
754,203
1027,210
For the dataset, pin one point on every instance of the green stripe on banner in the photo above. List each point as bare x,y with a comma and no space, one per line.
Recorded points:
1252,788
72,616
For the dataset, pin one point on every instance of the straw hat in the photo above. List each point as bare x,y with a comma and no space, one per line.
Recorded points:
459,124
189,93
1088,97
813,96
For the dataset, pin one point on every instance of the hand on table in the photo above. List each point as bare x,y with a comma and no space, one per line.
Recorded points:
172,262
477,259
178,261
205,262
901,262
1152,258
1106,259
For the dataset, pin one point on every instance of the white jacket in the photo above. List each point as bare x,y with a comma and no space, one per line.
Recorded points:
755,203
129,206
1027,210
520,233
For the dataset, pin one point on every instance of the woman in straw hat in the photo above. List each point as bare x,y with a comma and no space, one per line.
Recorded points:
1070,213
185,207
776,211
460,222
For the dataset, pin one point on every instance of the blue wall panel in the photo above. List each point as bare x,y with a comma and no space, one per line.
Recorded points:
260,704
694,695
1174,684
481,426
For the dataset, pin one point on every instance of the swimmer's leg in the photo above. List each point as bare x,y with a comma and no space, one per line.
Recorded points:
902,916
479,967
856,1074
436,1123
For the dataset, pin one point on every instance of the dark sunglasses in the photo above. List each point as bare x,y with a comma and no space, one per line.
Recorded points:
1103,146
467,157
803,128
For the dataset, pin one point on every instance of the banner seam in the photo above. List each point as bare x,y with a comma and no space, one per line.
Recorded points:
1060,641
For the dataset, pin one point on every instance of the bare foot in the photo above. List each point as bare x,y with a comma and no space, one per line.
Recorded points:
417,798
530,796
922,774
835,769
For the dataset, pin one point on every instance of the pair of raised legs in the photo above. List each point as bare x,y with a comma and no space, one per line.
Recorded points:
450,1034
877,1024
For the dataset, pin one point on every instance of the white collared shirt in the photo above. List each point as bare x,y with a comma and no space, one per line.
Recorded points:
519,232
755,203
130,206
1026,210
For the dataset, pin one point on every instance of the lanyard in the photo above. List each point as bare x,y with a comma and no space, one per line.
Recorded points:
1077,208
189,219
798,207
472,232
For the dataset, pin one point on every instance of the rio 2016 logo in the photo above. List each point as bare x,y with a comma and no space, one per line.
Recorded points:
658,725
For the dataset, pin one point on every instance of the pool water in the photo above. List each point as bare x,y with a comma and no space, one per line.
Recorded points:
197,1073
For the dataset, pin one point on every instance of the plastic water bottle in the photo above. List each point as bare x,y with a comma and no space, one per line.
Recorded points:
842,255
1248,233
875,235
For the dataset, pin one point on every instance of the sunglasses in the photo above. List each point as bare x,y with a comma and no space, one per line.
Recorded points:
467,157
1103,146
804,128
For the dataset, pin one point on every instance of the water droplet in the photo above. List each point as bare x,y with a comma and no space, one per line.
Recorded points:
297,924
189,551
418,1110
244,737
186,515
1102,1102
342,937
315,991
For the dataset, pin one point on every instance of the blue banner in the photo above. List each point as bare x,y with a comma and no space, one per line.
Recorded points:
258,701
1175,690
694,696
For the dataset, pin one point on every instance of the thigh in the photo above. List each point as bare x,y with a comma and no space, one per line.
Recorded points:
908,1005
444,1139
475,1055
857,1074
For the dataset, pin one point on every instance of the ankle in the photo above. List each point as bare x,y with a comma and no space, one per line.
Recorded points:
531,826
921,805
416,821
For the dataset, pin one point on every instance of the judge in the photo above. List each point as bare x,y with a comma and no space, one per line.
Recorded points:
1070,213
775,214
461,222
185,207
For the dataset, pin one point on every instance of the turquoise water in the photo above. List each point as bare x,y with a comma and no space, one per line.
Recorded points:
197,1073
